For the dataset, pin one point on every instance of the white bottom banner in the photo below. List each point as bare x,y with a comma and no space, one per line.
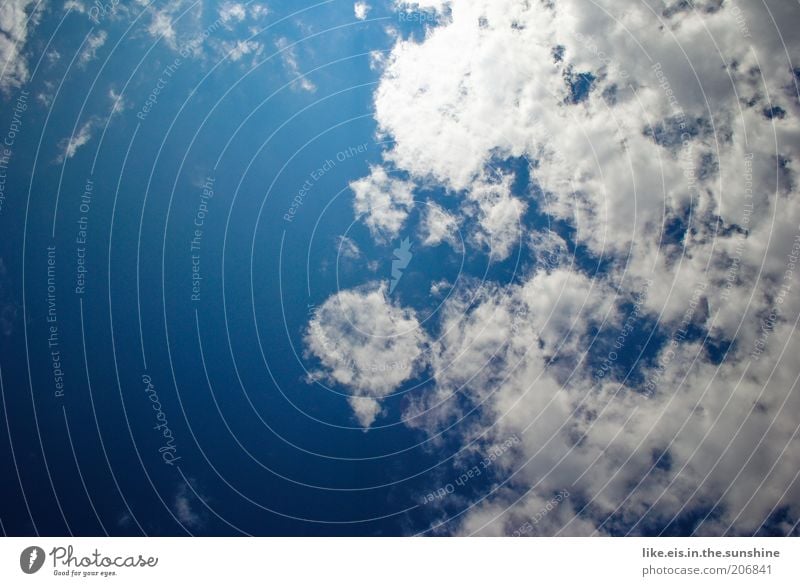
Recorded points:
389,561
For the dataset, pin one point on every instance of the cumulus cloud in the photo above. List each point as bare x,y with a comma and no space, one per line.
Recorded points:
361,10
595,156
549,249
438,225
504,337
499,215
367,344
383,202
666,139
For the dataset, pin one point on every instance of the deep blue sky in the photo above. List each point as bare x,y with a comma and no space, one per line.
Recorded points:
220,155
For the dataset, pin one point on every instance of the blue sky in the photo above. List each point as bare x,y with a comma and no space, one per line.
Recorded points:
594,298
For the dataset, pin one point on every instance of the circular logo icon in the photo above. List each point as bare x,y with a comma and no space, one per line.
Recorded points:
31,559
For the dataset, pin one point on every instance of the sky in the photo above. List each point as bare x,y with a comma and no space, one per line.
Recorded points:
449,267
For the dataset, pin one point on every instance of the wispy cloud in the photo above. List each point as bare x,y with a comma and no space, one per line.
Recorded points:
185,507
92,45
383,202
290,62
69,146
347,248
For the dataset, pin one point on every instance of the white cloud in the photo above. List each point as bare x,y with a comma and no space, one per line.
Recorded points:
75,6
17,17
499,215
435,5
53,56
69,146
97,12
347,248
495,347
46,97
118,103
180,25
377,60
549,249
491,84
258,11
289,57
452,109
361,10
93,43
383,201
440,286
184,506
232,11
438,225
161,27
366,343
235,50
